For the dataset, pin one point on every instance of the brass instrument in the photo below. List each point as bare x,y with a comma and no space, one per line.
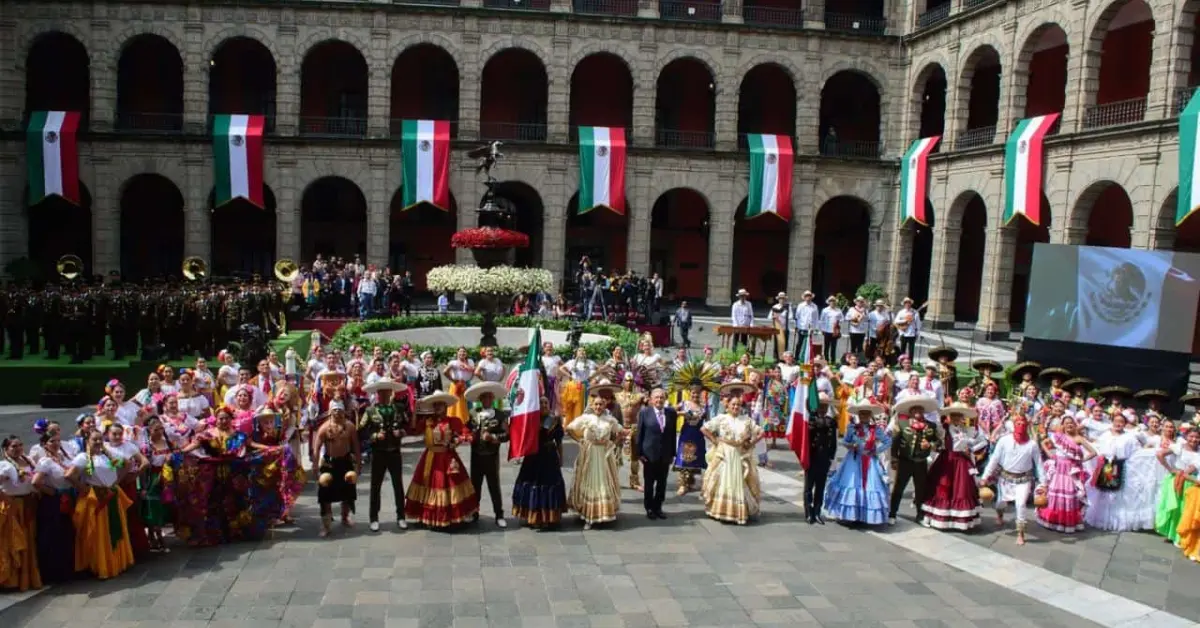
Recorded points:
69,267
195,268
286,270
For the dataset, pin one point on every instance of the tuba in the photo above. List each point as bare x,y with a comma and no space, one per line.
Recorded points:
195,268
286,270
69,267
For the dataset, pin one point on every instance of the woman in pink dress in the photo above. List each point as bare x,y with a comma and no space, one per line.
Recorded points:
1066,493
243,410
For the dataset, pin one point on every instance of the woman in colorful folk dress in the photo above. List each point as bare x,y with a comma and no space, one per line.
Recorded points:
56,533
440,494
596,490
1066,479
459,372
1187,478
574,375
276,478
156,514
101,528
1115,495
730,488
954,504
18,519
1175,458
858,490
190,399
210,491
540,494
773,411
130,454
700,381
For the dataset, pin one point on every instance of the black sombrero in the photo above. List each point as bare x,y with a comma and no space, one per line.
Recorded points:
1019,371
936,353
992,365
1055,371
1087,382
1109,391
1151,394
1190,399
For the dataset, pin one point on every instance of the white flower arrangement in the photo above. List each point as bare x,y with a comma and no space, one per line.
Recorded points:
495,280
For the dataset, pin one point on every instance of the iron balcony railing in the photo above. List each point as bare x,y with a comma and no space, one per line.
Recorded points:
268,123
974,138
677,138
513,131
1115,113
149,122
971,4
517,5
933,16
744,142
1182,96
607,7
848,23
774,16
441,3
337,126
693,11
396,127
861,149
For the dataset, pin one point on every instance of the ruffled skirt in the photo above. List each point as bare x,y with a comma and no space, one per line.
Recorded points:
1132,507
1169,511
955,501
540,494
596,493
730,486
1189,523
440,494
102,543
18,536
1066,497
212,501
851,498
56,536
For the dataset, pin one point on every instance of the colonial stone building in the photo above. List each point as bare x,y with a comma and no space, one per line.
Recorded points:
854,82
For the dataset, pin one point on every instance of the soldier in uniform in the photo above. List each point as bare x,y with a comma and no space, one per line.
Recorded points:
5,298
913,440
97,323
489,428
14,323
115,317
33,322
147,319
52,324
77,312
630,400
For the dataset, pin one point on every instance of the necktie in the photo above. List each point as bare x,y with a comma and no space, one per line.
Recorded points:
661,423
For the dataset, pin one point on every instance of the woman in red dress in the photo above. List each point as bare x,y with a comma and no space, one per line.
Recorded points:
955,501
440,494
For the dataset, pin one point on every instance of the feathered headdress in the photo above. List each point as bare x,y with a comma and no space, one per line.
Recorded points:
694,374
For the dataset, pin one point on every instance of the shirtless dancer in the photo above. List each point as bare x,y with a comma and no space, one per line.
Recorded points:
336,443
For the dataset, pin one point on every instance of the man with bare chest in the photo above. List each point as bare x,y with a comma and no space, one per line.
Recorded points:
338,461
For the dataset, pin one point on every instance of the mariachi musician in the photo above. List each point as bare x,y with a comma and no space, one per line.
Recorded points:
881,338
781,318
945,356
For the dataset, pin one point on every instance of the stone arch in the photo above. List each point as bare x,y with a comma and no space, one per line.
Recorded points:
932,66
309,170
214,42
129,166
126,36
664,182
1102,15
27,37
927,71
1094,35
862,191
1022,66
954,215
699,55
1033,28
398,48
970,63
784,64
868,70
1080,211
521,43
1164,218
321,36
591,48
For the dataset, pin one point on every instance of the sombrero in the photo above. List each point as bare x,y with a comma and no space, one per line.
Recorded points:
986,364
1109,391
384,383
427,402
1055,371
1019,371
265,410
866,406
1152,393
936,353
908,405
959,408
602,385
1076,382
1190,399
734,388
329,376
482,388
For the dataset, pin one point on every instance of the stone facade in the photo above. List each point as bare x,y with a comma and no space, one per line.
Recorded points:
1140,157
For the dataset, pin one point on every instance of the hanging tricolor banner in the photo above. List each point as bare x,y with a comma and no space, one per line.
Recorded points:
425,149
238,158
1189,165
52,154
1023,164
914,181
601,168
770,176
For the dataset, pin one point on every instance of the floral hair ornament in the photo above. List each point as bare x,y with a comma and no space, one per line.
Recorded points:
111,386
81,418
40,426
100,404
222,355
163,369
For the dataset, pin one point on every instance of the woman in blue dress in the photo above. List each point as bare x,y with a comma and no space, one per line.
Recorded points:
540,495
858,490
700,381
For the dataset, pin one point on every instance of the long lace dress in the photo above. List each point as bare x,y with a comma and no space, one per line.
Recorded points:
1066,487
730,487
596,490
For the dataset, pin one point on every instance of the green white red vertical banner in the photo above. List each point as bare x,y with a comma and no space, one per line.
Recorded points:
1024,162
770,189
1188,194
238,158
52,155
601,168
914,181
425,150
525,400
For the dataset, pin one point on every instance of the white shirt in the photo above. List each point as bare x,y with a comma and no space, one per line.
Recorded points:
1013,458
551,363
807,316
103,472
900,378
193,406
227,375
850,373
932,386
830,317
461,371
55,473
491,370
1095,429
741,314
1118,446
580,370
874,320
914,319
15,482
861,326
788,374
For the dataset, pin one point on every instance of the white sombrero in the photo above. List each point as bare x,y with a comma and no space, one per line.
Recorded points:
908,405
482,388
961,409
866,406
602,385
384,383
735,388
427,402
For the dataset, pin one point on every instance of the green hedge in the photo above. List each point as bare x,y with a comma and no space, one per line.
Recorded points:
353,334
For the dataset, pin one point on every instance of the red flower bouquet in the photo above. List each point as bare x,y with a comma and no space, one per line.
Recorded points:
489,238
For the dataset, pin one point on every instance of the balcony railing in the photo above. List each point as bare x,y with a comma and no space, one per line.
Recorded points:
513,131
396,128
341,126
149,122
517,5
674,138
1115,113
268,124
774,16
1182,96
744,142
694,11
971,4
441,3
860,149
933,16
847,23
607,7
974,138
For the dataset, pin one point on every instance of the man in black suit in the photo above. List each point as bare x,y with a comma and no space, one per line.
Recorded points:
655,447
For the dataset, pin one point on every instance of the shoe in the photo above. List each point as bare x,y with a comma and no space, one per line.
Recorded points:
811,520
402,524
374,526
821,519
501,523
660,514
891,521
651,516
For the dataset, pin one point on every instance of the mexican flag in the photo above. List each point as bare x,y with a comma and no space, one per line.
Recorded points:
804,404
914,181
52,155
238,158
770,176
1023,160
601,168
525,399
425,149
1188,195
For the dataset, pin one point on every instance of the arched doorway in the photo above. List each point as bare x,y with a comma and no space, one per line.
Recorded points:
931,98
1109,215
150,85
760,253
424,87
981,80
1187,36
333,91
243,236
840,242
919,270
766,103
241,79
601,93
152,223
420,238
1044,59
1187,240
600,233
685,104
1028,235
849,123
515,93
972,242
1120,53
679,244
58,227
58,77
530,218
333,220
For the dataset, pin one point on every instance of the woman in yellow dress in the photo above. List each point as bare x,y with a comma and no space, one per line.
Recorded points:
459,371
18,519
596,490
730,487
101,530
574,375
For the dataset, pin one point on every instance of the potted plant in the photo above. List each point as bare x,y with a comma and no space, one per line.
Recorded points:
62,393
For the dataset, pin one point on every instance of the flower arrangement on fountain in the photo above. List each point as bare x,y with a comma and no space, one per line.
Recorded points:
489,238
496,280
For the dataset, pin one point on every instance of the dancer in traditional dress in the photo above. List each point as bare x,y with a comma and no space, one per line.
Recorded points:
157,451
858,491
953,503
210,491
18,519
56,532
459,373
1187,478
1066,479
339,466
631,400
101,529
730,488
1015,464
384,425
440,493
913,440
574,375
699,381
539,493
489,430
1176,458
1114,501
276,477
130,454
596,491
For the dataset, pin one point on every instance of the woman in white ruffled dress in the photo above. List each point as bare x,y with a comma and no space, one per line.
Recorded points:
730,487
1123,493
595,489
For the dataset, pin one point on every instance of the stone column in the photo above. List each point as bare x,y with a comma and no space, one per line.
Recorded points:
720,242
558,103
1071,234
898,266
876,270
287,210
378,98
12,81
554,230
944,275
1179,64
800,237
287,86
378,206
1083,76
103,75
995,294
197,215
469,79
808,110
14,226
637,246
1159,100
462,177
814,14
195,79
645,91
725,123
1157,239
106,217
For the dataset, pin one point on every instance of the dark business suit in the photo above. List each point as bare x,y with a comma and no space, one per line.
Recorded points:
656,445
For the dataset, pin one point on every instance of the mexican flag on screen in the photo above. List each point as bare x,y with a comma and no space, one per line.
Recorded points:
1188,195
1023,163
425,149
770,190
238,158
914,181
601,168
525,399
804,404
52,155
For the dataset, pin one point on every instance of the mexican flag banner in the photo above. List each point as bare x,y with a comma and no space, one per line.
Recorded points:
525,399
1023,162
1188,194
601,168
238,158
770,176
52,155
804,404
425,149
914,181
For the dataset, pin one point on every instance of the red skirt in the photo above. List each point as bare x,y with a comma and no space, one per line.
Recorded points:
955,501
440,493
137,527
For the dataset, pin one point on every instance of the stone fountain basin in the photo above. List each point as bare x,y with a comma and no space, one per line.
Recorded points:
515,337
